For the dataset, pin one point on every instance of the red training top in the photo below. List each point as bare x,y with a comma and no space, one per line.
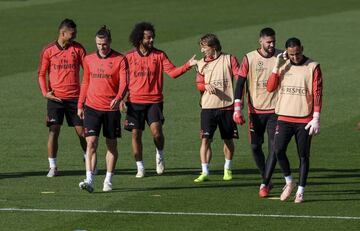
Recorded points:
104,79
146,79
62,66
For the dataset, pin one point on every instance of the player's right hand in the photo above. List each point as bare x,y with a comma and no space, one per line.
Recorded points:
192,61
210,88
280,59
50,95
238,117
122,106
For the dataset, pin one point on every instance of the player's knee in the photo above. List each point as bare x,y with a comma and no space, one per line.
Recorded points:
157,135
304,160
256,148
280,154
136,135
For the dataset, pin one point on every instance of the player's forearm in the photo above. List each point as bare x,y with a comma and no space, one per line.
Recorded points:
272,82
83,91
122,91
200,82
178,71
82,97
239,87
42,84
123,81
317,89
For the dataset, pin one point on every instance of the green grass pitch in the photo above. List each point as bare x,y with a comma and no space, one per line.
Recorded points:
329,31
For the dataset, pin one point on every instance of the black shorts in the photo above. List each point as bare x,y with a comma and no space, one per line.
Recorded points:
57,110
137,114
110,121
258,124
211,118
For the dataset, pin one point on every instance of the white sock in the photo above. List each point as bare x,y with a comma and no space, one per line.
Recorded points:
52,162
288,179
140,164
108,177
89,177
205,168
160,153
301,189
227,164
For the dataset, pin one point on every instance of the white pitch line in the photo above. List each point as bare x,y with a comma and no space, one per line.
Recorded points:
177,213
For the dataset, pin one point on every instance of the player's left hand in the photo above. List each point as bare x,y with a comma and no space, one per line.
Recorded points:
114,103
314,125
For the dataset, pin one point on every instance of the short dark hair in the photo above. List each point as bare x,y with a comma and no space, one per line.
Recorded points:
211,40
137,34
293,42
104,32
267,31
69,23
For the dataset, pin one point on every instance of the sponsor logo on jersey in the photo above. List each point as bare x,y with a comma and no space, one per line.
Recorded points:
291,90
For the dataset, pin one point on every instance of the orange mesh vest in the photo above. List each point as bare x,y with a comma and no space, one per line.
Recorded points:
217,73
260,69
295,91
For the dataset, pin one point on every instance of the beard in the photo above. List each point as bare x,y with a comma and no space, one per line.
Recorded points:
148,46
269,50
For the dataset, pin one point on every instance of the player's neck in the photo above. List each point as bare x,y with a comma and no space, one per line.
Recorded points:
104,54
144,51
265,53
62,42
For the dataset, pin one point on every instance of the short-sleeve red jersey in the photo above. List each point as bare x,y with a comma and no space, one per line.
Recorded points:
104,79
146,79
62,66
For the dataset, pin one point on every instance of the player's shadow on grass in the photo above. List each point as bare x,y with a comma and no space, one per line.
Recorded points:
206,185
334,173
333,195
334,192
315,173
61,173
196,171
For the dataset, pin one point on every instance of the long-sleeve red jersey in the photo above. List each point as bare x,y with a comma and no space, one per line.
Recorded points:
104,79
146,78
317,87
62,66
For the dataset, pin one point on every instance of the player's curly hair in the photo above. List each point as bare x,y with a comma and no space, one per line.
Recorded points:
137,34
104,32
